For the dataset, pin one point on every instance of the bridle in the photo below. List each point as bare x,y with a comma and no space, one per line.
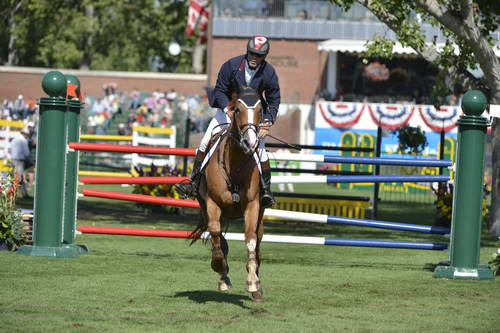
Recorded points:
244,131
239,133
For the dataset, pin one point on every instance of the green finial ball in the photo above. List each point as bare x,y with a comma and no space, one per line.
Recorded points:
474,103
70,78
54,84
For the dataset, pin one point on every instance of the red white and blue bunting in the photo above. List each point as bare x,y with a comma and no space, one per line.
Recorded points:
442,119
390,116
341,115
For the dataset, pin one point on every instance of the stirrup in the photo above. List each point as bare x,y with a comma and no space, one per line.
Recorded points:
186,190
267,200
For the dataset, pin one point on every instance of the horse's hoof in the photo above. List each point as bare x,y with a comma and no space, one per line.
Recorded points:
224,284
253,286
257,297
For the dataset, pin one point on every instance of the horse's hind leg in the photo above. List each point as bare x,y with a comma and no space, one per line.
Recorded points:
224,281
219,243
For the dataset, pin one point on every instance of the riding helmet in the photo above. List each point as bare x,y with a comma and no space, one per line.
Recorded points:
258,44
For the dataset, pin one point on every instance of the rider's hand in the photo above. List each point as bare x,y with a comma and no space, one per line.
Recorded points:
264,129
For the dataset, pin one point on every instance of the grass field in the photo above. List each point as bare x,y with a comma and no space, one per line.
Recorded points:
141,284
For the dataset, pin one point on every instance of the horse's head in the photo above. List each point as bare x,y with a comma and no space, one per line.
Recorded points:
246,116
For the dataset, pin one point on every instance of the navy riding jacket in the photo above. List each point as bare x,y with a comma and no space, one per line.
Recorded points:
265,82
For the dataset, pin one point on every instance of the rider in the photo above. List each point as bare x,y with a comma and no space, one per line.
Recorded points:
250,69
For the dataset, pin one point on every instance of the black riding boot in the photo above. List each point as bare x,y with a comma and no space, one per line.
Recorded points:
267,199
189,189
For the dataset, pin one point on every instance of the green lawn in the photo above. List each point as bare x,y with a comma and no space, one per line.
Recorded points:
142,284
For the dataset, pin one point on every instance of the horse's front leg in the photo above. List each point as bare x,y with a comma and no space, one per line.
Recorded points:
219,246
254,230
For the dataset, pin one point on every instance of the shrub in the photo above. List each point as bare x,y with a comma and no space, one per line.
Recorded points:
495,262
411,139
444,204
11,227
157,190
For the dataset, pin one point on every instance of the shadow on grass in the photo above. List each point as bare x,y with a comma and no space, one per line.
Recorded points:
204,296
432,267
129,212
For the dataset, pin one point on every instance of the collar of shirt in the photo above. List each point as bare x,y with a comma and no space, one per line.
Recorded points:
249,73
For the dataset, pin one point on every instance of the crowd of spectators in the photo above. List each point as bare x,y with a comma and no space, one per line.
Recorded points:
153,109
19,109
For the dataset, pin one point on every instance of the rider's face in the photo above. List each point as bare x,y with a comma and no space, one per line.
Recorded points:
255,59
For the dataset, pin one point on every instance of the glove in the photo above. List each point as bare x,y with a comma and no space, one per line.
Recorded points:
264,129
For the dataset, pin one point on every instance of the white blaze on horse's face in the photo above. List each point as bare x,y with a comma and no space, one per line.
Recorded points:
250,133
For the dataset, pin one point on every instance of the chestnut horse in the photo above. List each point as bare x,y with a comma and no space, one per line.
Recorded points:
231,188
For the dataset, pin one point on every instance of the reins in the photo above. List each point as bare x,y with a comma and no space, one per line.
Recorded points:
236,136
286,143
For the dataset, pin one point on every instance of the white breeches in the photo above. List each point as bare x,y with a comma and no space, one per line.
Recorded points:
221,121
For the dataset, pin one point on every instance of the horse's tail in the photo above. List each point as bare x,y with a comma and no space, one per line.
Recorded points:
199,230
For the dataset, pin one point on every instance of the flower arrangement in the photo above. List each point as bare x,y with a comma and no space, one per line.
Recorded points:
11,227
157,190
376,71
444,204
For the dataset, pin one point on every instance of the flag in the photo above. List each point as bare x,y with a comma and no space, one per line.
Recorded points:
204,24
198,13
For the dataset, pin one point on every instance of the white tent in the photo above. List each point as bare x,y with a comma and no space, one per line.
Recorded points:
351,45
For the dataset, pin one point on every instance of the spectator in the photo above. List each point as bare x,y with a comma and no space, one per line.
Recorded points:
98,106
20,154
109,88
134,100
157,94
5,110
172,95
19,107
30,109
150,103
121,129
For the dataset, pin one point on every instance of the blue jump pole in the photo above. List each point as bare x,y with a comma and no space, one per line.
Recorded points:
387,161
387,244
387,179
387,225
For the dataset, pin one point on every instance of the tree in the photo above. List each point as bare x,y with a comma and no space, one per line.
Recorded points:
99,35
468,27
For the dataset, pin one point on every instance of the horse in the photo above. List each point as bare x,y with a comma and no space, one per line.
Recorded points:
231,188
